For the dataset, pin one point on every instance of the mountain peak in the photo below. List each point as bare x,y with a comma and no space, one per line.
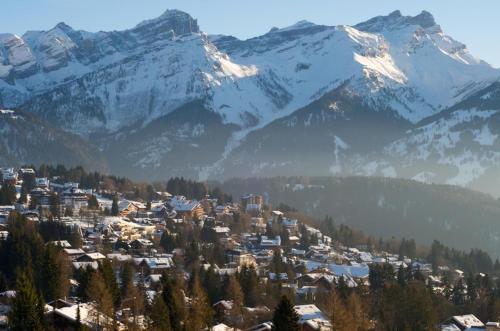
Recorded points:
424,19
63,27
396,20
176,20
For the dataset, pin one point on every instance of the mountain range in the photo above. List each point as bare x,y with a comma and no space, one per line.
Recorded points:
393,96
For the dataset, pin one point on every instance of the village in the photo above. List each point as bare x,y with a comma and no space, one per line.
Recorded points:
287,256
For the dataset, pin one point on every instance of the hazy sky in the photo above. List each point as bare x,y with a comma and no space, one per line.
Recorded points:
475,23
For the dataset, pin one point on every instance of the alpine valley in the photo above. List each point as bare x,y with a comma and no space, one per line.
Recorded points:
393,96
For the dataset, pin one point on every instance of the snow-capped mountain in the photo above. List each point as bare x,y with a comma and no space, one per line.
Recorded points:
350,98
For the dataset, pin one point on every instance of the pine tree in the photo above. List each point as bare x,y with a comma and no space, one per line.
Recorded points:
249,283
55,205
127,277
340,317
173,297
93,203
27,310
212,284
114,207
99,293
200,312
285,317
159,315
54,274
235,294
7,194
108,274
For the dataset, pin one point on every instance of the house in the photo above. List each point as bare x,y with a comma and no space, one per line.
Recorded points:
60,243
463,323
74,197
258,224
91,257
262,327
65,317
187,209
223,327
312,318
221,231
156,265
42,195
222,210
292,225
127,207
240,258
9,176
74,253
42,182
223,306
252,204
140,245
266,242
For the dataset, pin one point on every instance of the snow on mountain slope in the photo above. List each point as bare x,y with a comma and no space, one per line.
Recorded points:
394,72
392,60
439,68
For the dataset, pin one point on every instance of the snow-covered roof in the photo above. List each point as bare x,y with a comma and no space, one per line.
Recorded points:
468,321
309,312
180,203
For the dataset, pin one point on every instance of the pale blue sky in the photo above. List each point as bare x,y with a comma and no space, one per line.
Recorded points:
475,23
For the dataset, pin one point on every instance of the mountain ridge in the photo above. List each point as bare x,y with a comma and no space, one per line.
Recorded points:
109,86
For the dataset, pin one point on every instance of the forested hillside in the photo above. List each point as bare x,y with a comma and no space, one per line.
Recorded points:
382,207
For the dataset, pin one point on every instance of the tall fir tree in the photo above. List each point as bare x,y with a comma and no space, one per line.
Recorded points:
27,309
200,312
114,206
159,315
285,317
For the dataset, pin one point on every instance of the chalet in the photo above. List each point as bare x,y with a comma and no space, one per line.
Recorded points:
156,265
251,202
266,242
42,182
140,245
221,231
223,327
277,215
258,224
60,243
65,317
159,210
91,257
187,209
42,195
126,207
240,257
74,197
292,225
223,306
73,253
222,210
119,257
312,318
9,176
463,323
